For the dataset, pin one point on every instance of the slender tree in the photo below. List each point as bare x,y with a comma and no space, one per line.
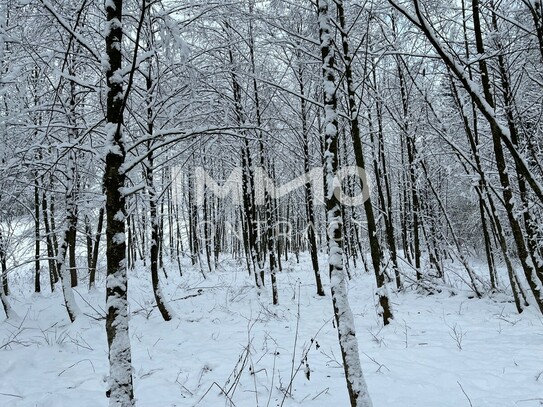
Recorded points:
121,390
356,385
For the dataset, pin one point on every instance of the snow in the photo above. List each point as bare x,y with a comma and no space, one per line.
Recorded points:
112,24
120,215
223,328
110,4
110,145
119,238
116,77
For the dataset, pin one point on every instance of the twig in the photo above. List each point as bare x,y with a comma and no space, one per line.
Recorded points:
323,391
465,394
188,296
76,363
11,395
381,365
272,379
100,315
522,401
222,390
295,343
304,357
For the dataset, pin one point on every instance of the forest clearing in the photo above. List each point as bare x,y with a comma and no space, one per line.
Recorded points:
271,203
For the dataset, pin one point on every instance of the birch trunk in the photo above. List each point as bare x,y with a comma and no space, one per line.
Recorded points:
356,385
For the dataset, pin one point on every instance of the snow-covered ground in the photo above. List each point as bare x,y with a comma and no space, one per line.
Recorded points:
230,347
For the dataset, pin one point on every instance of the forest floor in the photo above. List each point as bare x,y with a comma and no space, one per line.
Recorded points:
228,346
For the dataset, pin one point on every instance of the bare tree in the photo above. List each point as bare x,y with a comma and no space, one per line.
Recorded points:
121,390
356,385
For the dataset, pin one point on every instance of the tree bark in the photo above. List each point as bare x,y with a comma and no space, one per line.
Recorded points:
95,248
37,240
153,196
375,248
309,206
65,278
51,254
121,390
3,264
356,385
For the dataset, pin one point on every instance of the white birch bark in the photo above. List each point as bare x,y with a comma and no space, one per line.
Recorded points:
356,384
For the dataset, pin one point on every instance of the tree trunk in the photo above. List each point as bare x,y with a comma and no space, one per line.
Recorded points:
159,298
71,246
375,248
65,278
268,236
356,385
153,196
382,177
309,206
121,391
530,270
37,240
411,157
3,264
95,249
51,254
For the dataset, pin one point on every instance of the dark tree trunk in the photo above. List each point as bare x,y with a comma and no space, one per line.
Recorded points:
248,180
309,206
3,264
153,196
268,236
375,247
529,268
482,189
72,230
95,249
51,254
53,225
120,390
530,224
37,239
159,298
411,157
